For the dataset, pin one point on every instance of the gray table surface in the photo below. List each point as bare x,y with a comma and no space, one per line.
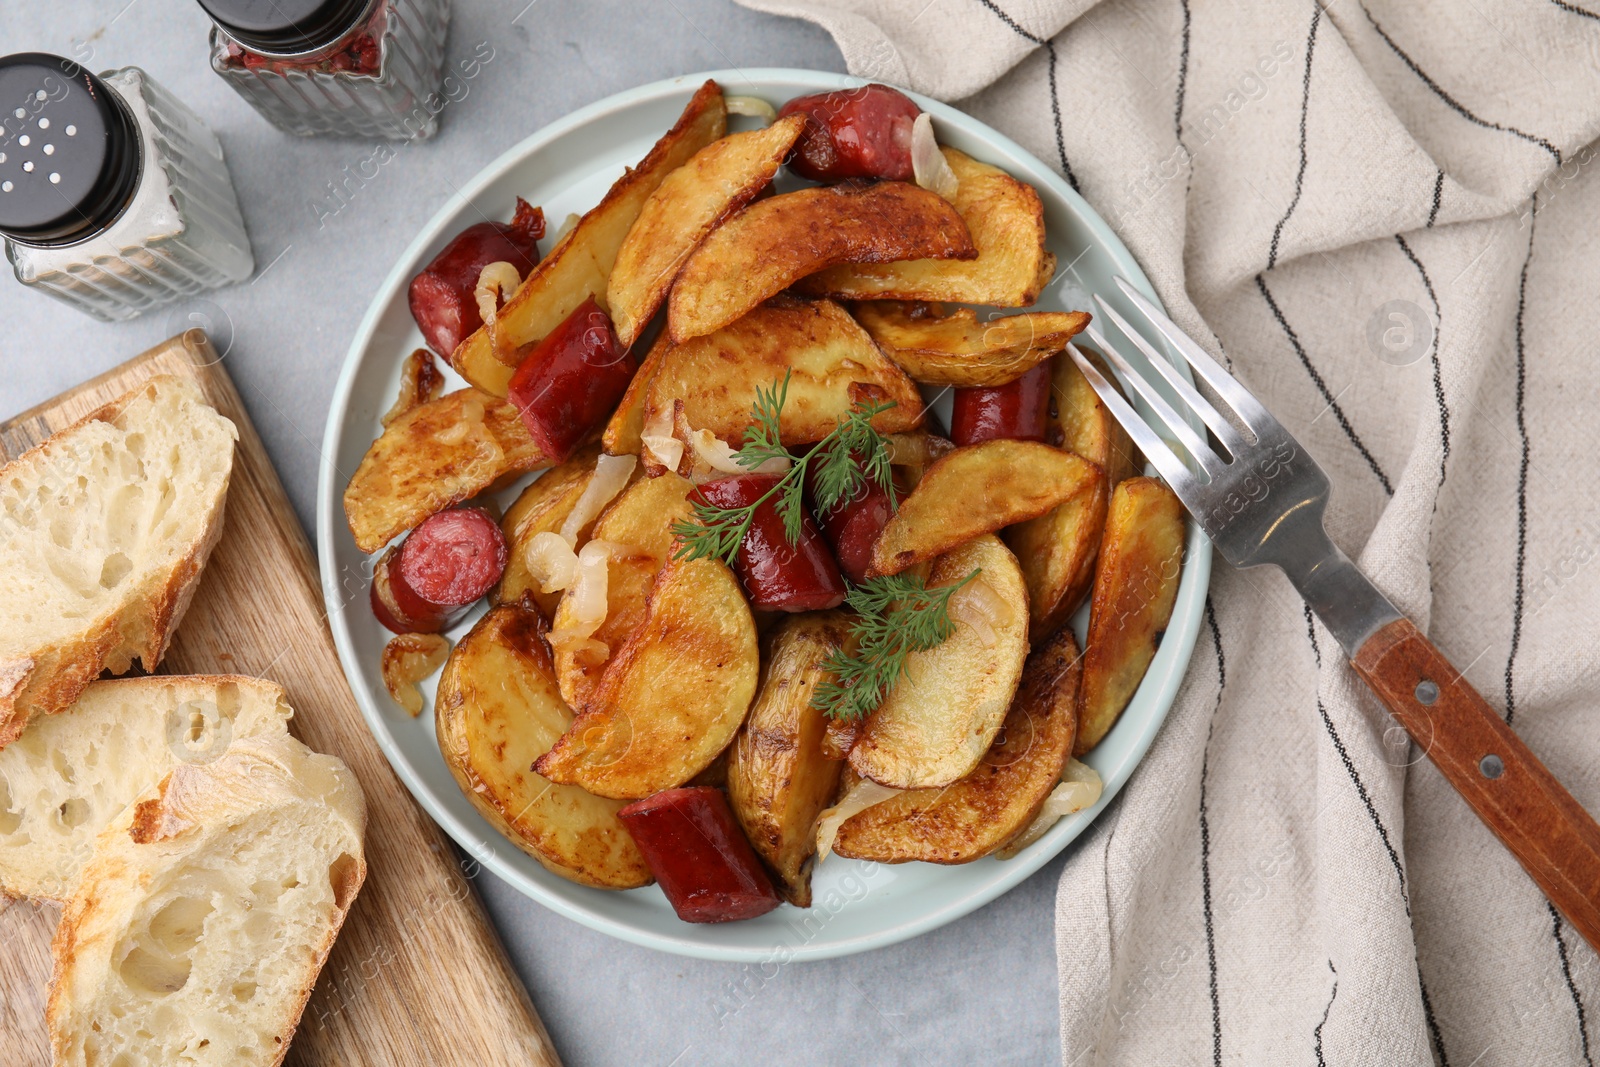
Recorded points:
981,990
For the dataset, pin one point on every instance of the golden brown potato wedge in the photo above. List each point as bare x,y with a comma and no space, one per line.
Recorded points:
580,265
942,714
542,507
498,711
954,348
832,363
999,798
779,778
1085,425
1006,220
641,518
976,490
432,457
1135,586
675,694
774,243
723,177
622,433
1056,552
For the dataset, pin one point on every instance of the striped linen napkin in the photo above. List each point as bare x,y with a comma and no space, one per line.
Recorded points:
1384,214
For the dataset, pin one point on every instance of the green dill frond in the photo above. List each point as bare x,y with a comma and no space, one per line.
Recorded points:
895,616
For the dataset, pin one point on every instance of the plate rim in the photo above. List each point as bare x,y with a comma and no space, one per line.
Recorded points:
1191,595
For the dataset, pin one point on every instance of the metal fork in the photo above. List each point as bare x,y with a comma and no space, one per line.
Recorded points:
1261,500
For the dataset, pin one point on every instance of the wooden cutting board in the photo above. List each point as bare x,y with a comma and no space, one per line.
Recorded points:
418,975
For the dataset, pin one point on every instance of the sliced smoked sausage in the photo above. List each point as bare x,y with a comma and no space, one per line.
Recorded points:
443,299
776,575
701,858
854,133
442,568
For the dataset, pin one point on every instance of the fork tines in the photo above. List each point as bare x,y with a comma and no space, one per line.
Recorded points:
1245,410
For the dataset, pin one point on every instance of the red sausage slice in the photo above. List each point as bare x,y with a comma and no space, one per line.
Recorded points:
700,857
853,526
443,567
1020,410
570,382
854,133
441,296
777,576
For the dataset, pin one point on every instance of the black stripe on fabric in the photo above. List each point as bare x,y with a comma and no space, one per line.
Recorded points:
1438,372
1322,388
1516,618
1575,9
1432,1021
1183,75
1438,197
1305,107
1572,987
1317,1033
1522,480
1366,801
1428,1016
1055,96
1205,843
1454,104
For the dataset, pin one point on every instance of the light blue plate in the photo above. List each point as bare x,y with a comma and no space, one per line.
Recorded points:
567,167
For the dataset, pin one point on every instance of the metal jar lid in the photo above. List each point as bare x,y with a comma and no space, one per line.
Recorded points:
69,150
285,27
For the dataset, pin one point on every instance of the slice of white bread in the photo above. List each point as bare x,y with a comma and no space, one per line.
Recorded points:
70,774
199,926
104,529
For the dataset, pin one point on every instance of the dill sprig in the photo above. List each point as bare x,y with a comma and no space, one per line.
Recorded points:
895,616
852,452
858,454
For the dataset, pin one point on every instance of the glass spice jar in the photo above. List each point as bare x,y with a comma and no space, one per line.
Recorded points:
114,196
351,68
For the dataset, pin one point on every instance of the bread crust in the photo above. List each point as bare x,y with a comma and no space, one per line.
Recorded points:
54,676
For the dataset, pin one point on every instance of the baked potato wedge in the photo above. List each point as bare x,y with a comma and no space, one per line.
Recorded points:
432,457
939,347
1135,586
976,490
580,265
674,696
831,360
1006,220
622,434
1057,550
640,519
542,507
943,713
779,778
498,710
722,177
999,798
1084,425
774,243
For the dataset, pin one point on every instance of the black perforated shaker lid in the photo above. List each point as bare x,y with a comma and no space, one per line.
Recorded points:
69,150
285,27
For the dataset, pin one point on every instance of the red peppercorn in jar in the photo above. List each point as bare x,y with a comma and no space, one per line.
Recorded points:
356,68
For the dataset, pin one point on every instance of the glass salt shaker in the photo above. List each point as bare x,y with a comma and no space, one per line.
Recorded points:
114,197
350,68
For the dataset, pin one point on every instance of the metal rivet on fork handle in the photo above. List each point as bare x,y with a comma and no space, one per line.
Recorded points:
1491,766
1427,691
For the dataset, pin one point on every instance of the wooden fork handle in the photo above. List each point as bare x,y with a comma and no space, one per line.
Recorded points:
1519,800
